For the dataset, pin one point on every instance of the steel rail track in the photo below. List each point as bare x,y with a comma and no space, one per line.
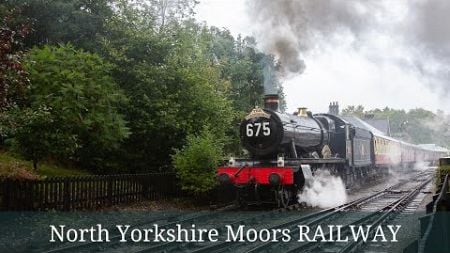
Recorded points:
373,219
316,216
394,208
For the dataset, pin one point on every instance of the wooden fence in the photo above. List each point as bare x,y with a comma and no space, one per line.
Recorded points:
86,192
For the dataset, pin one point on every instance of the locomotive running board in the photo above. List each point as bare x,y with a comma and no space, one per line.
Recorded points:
291,161
316,160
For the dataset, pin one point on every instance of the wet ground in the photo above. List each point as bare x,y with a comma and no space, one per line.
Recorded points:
382,183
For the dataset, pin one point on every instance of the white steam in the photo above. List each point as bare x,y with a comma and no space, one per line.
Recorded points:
421,166
290,29
324,191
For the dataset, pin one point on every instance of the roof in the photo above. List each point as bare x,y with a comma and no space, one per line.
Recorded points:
364,125
433,147
380,124
357,122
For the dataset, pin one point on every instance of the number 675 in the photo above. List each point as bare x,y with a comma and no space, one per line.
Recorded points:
254,130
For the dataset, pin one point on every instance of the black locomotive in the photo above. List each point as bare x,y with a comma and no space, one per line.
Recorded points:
286,149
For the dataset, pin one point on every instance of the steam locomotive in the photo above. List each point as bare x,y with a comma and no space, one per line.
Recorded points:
286,150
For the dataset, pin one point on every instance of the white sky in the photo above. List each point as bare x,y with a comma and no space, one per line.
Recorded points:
370,76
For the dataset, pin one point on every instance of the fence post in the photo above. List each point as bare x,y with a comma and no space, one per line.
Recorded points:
145,187
66,198
109,190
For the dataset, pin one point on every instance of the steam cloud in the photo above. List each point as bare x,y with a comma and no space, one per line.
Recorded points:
421,166
289,29
324,191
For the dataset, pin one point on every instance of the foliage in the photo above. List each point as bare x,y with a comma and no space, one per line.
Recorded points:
170,11
73,107
176,89
418,125
13,166
241,64
54,22
13,77
177,75
354,110
196,163
440,174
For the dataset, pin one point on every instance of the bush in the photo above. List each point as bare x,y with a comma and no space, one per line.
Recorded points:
196,163
441,172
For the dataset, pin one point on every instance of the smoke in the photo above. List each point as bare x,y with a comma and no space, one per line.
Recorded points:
287,28
419,28
324,191
430,22
429,38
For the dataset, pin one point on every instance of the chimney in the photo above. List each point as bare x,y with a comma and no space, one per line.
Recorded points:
333,108
271,101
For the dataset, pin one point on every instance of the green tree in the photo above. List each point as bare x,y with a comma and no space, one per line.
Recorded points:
353,110
73,107
418,126
79,22
175,87
171,11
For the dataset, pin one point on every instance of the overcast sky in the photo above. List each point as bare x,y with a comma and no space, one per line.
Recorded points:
375,55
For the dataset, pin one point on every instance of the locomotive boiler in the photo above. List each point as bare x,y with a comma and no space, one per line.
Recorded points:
267,132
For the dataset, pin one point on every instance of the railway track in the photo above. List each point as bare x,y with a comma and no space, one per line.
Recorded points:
374,209
385,210
378,208
290,221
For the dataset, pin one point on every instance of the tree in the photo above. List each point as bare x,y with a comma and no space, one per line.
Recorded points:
417,126
79,22
355,111
172,11
175,87
13,77
73,112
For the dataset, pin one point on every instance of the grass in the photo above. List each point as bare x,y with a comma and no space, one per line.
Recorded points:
12,165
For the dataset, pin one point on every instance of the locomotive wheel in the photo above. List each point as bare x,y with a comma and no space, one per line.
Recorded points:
283,197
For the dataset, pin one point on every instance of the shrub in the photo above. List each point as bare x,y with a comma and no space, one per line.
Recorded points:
196,163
